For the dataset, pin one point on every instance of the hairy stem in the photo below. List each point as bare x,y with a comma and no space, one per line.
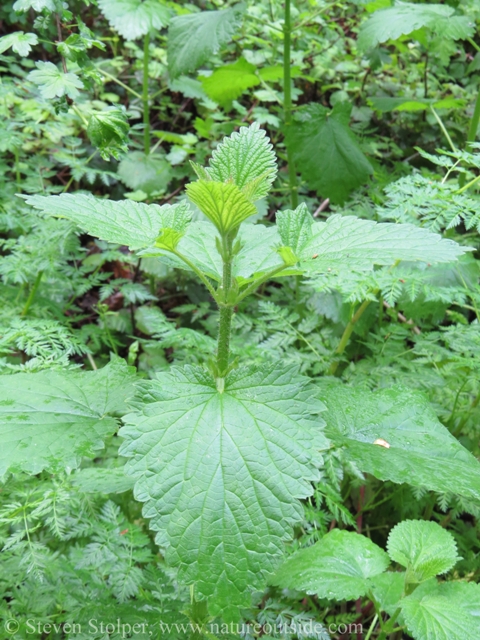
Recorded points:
346,335
146,107
33,291
287,102
226,313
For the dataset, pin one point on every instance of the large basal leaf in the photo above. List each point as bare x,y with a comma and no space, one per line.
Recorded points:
192,39
227,83
395,435
50,419
145,172
133,224
135,18
445,611
326,152
424,548
221,473
247,158
404,18
337,567
222,202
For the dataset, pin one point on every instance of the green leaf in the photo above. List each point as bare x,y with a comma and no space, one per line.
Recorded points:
133,224
20,42
247,158
194,38
347,242
425,549
229,82
223,203
445,611
50,420
148,173
102,480
421,452
405,18
36,5
135,18
53,83
326,152
108,131
337,567
295,227
221,473
387,589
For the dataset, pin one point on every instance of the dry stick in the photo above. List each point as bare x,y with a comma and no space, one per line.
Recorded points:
323,205
60,39
402,318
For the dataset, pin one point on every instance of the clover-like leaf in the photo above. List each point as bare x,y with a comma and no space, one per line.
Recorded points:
326,152
133,224
54,83
227,83
247,158
50,420
135,18
336,567
222,473
222,202
445,611
425,549
19,41
405,18
36,5
395,435
193,38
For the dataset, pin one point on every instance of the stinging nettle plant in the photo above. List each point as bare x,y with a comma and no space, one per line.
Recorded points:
223,454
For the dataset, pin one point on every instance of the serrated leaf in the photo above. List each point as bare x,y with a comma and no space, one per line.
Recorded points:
348,242
227,83
405,18
53,83
133,224
108,131
20,42
148,173
49,420
135,18
295,227
421,452
326,152
221,473
247,158
223,203
445,611
425,549
192,39
337,567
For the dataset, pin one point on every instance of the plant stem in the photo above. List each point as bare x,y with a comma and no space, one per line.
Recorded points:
372,627
196,270
119,82
472,132
33,291
287,102
146,108
389,626
254,286
226,312
442,127
346,335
